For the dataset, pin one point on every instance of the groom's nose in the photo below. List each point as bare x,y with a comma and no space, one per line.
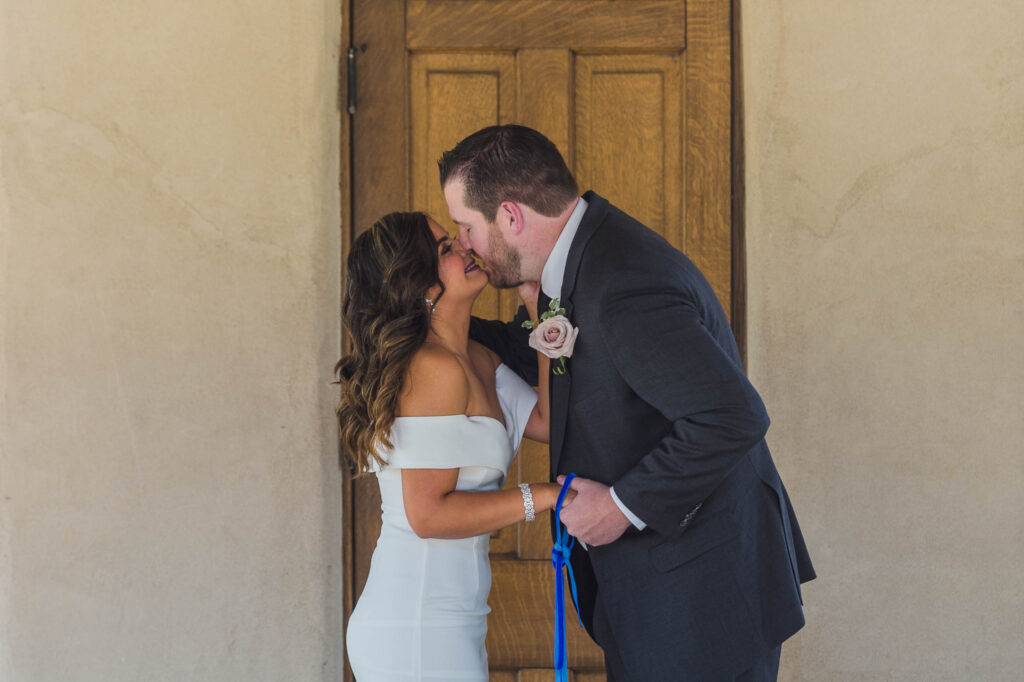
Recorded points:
464,239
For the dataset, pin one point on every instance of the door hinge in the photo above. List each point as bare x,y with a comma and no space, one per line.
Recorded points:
351,80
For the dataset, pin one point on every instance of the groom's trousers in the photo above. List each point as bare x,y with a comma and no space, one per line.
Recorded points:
766,669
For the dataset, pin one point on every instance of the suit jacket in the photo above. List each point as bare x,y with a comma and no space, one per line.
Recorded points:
656,403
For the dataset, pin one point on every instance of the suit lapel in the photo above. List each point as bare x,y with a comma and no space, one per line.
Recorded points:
561,384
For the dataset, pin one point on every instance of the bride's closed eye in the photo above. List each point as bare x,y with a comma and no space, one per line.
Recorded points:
447,247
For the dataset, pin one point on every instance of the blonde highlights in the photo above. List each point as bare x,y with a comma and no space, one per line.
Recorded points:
390,268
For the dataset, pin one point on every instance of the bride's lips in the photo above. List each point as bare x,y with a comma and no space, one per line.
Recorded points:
474,264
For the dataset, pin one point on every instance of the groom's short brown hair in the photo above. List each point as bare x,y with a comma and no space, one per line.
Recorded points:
510,163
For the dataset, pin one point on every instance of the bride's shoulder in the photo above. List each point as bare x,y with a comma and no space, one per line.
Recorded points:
435,384
484,355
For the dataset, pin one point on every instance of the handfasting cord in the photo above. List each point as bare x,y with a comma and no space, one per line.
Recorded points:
560,557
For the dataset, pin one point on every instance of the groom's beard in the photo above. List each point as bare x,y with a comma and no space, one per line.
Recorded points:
505,266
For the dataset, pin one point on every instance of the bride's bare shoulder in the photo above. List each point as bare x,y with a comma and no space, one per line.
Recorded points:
484,354
435,384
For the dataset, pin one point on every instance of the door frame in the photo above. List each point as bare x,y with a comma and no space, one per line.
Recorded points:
738,313
347,235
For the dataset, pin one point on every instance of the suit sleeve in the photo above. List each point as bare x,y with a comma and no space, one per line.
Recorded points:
510,341
669,359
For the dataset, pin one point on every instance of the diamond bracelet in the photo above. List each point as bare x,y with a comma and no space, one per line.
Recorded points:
527,501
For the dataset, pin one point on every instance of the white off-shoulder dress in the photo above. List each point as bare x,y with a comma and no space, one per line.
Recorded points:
423,612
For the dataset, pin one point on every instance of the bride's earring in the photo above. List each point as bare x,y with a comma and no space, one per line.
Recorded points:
430,303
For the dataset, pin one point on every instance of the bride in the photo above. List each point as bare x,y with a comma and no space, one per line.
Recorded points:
438,419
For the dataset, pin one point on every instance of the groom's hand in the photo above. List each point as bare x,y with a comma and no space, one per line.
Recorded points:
593,516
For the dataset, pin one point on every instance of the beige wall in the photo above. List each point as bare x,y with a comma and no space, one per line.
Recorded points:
169,505
885,232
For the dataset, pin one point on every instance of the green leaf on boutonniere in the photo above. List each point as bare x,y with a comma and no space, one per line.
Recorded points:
553,310
560,368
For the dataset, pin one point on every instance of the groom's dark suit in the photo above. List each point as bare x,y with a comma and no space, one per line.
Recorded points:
655,403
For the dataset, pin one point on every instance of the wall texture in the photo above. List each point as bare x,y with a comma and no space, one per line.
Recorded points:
169,249
885,232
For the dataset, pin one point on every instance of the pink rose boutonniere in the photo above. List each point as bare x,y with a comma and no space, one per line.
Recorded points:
553,335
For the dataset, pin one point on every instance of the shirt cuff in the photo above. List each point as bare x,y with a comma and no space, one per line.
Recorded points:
640,525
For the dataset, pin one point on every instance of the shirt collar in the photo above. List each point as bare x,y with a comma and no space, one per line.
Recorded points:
554,268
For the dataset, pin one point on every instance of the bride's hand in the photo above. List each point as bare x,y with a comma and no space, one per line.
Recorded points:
551,491
529,292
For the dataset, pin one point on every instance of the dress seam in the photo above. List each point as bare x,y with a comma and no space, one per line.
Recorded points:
418,653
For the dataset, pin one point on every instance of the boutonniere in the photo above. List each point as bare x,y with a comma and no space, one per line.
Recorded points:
553,335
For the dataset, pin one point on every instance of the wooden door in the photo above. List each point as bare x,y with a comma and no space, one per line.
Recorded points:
636,94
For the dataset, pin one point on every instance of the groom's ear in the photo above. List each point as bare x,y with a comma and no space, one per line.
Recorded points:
511,213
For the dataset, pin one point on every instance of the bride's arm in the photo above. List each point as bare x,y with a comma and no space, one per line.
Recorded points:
436,510
436,385
538,427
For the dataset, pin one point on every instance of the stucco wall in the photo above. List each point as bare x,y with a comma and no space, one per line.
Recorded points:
169,505
885,233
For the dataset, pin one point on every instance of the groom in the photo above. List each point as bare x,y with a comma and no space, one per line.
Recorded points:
694,558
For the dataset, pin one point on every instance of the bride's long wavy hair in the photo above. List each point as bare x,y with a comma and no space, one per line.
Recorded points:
390,269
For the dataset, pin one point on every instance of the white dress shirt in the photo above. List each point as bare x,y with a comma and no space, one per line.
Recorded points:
551,283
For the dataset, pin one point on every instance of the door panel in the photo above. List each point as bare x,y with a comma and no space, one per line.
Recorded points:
519,24
636,95
521,625
453,95
628,132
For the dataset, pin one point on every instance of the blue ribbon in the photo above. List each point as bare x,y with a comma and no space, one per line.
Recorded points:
560,557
